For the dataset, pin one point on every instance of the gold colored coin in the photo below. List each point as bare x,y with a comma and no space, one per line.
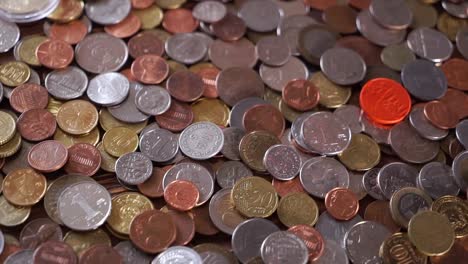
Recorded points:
170,4
80,241
11,147
11,240
200,66
253,147
107,161
107,122
77,117
119,141
331,95
67,11
69,140
161,34
424,15
450,25
456,210
209,248
362,154
288,113
272,97
14,73
7,127
254,197
150,17
54,105
431,233
117,235
11,215
175,66
212,110
402,214
398,249
125,207
24,187
28,47
298,209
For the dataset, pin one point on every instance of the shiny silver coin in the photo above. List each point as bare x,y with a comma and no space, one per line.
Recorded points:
209,11
23,256
152,100
230,172
187,48
350,115
394,176
424,80
107,12
333,254
423,126
272,250
133,168
437,180
394,14
343,66
9,35
178,254
67,84
127,111
282,162
158,144
130,254
201,140
335,230
430,44
108,89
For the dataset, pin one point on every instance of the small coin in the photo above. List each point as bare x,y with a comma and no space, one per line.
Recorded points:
264,117
394,176
12,215
376,33
201,140
84,159
14,73
223,213
81,241
181,195
145,42
24,187
77,117
108,12
424,80
230,172
66,84
246,188
179,20
341,203
48,156
271,249
29,96
297,209
440,115
127,111
396,56
273,50
362,154
36,124
152,100
119,141
39,231
55,54
422,42
176,118
260,15
55,250
282,162
352,67
253,155
437,180
211,110
331,94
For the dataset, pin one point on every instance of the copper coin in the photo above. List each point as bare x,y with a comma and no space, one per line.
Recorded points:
48,156
177,118
209,75
125,28
458,252
99,254
128,73
72,32
144,43
185,86
230,28
341,18
379,211
153,186
84,159
456,72
457,102
342,203
29,96
185,226
181,195
150,69
8,250
55,54
284,188
264,117
439,114
38,231
359,4
55,252
321,4
153,231
369,52
235,84
36,124
142,4
312,238
203,223
301,95
179,20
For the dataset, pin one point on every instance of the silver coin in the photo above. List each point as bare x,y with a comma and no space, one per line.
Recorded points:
230,172
343,66
289,28
178,254
460,166
23,256
153,100
215,254
248,237
430,44
129,187
324,133
284,247
291,8
67,84
380,133
410,146
314,40
209,11
370,184
194,173
356,184
437,180
107,12
186,48
296,130
127,111
395,56
273,50
149,127
282,162
395,176
462,41
228,219
260,15
407,202
332,254
133,168
424,80
335,230
375,33
34,77
423,126
232,138
239,109
459,10
201,140
108,89
100,53
277,77
363,242
9,35
205,38
130,254
2,237
84,206
350,115
321,174
461,131
393,14
158,144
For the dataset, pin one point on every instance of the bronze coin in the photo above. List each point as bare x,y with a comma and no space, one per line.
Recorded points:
36,124
55,252
301,95
185,226
55,54
179,20
83,159
312,238
457,102
440,115
125,28
99,254
458,252
48,156
145,43
359,4
8,250
150,69
185,86
39,231
176,118
341,203
72,33
203,223
284,188
235,84
153,186
142,4
181,195
29,96
340,18
369,52
456,72
379,211
209,75
230,28
264,117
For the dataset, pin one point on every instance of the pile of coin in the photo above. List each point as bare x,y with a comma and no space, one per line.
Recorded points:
251,131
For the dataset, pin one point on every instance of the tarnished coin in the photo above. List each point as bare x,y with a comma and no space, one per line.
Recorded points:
343,66
341,203
407,202
159,145
394,176
456,210
297,209
244,192
108,89
391,14
314,40
260,15
395,56
201,140
282,162
133,168
237,83
362,154
437,180
424,80
272,248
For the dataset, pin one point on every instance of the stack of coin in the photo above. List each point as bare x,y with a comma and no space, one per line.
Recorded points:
245,131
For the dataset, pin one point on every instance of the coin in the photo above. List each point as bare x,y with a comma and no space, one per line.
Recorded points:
130,253
48,156
406,202
341,203
178,253
12,215
201,140
397,247
24,187
335,230
8,126
223,213
379,211
84,159
271,249
99,253
297,209
244,192
119,141
181,195
214,252
77,117
179,20
455,210
133,168
55,249
14,73
81,241
55,54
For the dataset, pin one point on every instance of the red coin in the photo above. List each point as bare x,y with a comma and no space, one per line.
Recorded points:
84,159
48,156
264,117
144,43
128,73
301,95
385,101
181,195
99,254
72,32
29,96
126,28
55,252
312,238
150,69
153,187
142,4
440,115
179,20
456,71
55,54
341,203
284,188
209,75
177,118
203,223
185,226
230,28
457,102
36,124
185,86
